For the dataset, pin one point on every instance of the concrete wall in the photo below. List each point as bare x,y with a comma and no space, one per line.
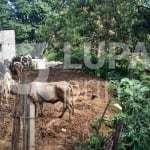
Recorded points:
39,63
7,41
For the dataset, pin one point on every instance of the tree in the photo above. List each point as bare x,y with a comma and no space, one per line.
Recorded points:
94,21
5,15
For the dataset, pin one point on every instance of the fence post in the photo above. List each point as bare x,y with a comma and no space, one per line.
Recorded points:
18,111
29,119
16,125
32,127
22,104
25,114
119,126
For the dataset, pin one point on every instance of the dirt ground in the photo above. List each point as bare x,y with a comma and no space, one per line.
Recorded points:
52,133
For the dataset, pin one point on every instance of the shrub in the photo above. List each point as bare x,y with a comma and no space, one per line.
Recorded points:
134,97
92,143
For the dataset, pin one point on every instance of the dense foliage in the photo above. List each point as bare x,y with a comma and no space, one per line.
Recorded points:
134,96
76,22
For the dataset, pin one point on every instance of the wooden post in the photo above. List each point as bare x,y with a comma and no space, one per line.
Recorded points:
25,124
113,142
29,121
16,126
25,115
22,104
119,127
32,127
18,111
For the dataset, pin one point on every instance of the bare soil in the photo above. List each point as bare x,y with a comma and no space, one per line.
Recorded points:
53,133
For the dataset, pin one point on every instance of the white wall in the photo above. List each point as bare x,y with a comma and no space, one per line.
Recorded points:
7,39
39,63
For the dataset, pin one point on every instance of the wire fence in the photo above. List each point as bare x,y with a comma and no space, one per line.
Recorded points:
19,121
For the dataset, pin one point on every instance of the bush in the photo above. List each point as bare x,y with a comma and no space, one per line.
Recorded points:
134,97
93,143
